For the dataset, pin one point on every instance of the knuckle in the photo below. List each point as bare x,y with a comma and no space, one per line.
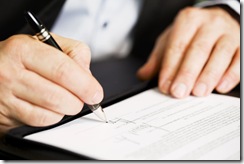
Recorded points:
16,43
226,47
61,70
34,117
202,46
77,104
8,105
90,87
4,77
52,100
27,116
85,48
4,111
167,69
76,109
188,74
218,20
211,75
59,102
190,12
87,90
233,76
81,51
177,47
41,120
85,51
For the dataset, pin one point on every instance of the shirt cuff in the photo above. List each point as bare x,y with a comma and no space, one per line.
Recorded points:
233,4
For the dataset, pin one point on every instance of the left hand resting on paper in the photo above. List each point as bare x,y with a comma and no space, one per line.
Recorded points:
198,53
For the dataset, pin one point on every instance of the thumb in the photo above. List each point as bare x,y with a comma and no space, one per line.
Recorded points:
77,50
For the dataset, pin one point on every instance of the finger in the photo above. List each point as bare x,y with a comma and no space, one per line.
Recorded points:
232,76
38,91
195,58
216,66
30,114
77,50
181,35
6,121
4,129
153,64
61,69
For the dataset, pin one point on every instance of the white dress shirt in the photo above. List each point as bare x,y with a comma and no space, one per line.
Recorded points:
105,25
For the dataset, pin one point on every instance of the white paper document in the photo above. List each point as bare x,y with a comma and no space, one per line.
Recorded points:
152,126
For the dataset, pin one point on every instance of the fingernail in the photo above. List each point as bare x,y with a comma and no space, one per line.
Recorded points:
224,86
179,90
165,86
97,98
200,89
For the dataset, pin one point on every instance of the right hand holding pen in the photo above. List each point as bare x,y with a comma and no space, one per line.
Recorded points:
40,84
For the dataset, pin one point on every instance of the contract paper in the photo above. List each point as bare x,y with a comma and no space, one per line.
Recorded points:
153,126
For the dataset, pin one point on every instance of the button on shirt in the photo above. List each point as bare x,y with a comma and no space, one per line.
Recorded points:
105,25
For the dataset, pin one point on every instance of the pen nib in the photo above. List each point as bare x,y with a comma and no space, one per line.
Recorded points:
98,111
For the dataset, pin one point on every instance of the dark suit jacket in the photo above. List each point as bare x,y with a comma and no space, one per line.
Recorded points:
155,16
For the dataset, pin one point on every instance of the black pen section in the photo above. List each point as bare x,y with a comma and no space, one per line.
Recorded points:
33,21
53,43
40,30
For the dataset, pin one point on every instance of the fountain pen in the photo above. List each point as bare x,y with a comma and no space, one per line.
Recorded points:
43,35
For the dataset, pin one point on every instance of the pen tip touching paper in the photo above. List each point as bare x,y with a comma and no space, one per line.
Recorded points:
100,114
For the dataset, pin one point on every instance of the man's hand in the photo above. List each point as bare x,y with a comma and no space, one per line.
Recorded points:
198,53
40,84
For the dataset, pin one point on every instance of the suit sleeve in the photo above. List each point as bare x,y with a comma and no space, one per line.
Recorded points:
232,4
